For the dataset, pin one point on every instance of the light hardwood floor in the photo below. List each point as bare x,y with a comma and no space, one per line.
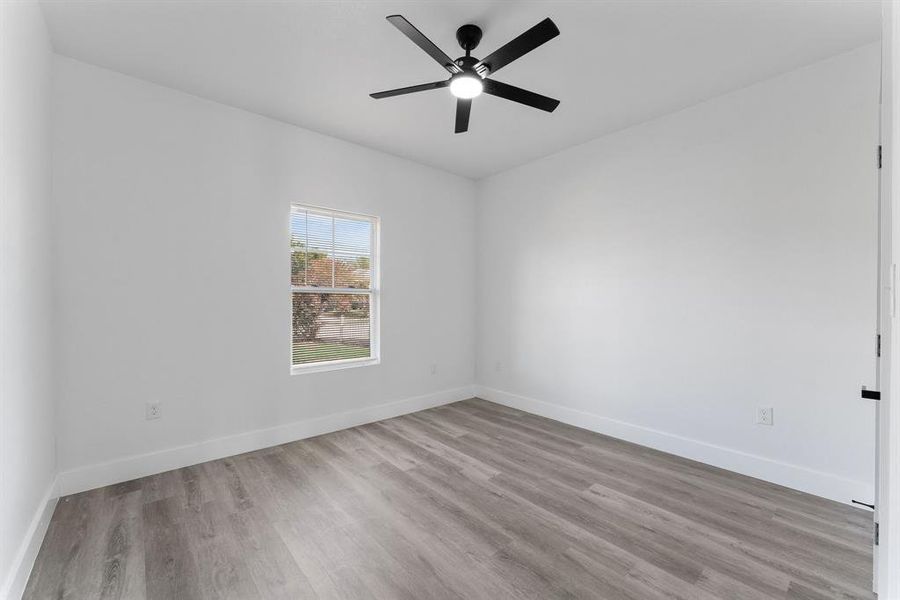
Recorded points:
467,501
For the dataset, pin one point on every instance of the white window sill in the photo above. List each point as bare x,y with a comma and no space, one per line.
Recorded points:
333,365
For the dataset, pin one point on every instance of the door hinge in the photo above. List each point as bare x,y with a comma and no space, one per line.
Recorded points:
878,345
876,533
879,156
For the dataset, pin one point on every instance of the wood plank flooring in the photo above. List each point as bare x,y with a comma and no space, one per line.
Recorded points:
466,501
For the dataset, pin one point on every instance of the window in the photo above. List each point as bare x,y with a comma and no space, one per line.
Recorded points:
334,289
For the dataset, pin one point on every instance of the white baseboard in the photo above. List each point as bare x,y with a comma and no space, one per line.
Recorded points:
28,549
826,485
132,467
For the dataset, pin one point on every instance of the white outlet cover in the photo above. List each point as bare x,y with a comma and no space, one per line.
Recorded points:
765,416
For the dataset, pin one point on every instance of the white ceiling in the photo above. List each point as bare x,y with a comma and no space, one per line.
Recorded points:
313,64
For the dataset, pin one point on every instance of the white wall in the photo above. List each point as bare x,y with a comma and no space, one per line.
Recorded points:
663,282
172,236
27,453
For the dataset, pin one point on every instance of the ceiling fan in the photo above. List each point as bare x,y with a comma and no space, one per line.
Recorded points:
469,76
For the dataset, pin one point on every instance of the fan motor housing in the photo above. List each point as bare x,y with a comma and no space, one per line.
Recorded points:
468,36
467,63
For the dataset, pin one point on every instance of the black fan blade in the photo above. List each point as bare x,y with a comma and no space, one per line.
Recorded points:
541,33
511,92
463,108
411,89
423,42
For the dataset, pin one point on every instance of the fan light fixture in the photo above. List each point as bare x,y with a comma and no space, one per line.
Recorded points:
466,86
469,77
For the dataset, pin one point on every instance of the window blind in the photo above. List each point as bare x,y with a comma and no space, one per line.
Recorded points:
333,296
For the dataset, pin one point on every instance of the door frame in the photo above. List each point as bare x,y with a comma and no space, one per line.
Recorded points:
887,552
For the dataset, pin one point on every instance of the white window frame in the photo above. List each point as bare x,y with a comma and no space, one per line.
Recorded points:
374,292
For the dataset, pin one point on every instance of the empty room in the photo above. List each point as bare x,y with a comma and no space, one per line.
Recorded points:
457,300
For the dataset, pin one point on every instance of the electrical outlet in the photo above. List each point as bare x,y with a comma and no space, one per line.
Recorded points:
765,416
434,369
498,366
152,411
